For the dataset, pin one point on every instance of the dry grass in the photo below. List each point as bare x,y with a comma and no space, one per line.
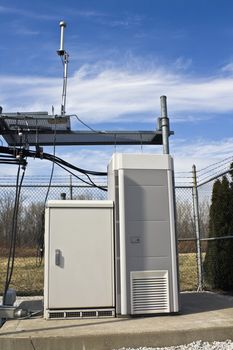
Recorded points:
188,271
28,278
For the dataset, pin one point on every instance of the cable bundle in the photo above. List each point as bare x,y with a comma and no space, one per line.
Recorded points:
58,161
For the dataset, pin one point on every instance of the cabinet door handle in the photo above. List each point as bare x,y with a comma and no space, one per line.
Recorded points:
57,257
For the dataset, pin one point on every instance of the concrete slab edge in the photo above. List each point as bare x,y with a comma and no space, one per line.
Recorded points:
116,341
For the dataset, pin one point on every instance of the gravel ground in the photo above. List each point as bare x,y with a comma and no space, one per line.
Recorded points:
198,345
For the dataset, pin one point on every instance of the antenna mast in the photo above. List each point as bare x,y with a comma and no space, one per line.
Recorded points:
65,60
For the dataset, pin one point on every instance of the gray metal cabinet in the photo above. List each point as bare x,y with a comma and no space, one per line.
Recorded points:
79,257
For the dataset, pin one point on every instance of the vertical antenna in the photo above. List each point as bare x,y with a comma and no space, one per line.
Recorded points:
65,60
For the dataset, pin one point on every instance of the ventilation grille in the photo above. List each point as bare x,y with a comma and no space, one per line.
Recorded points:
149,292
59,314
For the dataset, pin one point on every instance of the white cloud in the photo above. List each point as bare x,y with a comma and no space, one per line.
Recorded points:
183,63
106,95
25,13
202,153
113,94
228,67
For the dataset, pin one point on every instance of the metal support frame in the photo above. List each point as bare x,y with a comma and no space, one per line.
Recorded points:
37,129
197,228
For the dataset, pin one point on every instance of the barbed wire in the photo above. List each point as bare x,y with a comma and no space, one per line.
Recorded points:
182,178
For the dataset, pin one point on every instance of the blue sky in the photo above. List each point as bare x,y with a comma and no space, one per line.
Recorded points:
123,56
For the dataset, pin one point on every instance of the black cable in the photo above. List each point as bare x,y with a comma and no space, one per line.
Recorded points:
6,156
11,256
15,230
87,126
69,165
94,184
91,183
50,157
63,164
9,163
11,237
40,243
83,171
59,162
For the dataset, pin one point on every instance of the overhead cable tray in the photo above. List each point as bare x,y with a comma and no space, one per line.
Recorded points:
40,128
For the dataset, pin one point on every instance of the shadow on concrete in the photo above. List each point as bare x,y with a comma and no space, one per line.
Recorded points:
32,305
196,302
191,303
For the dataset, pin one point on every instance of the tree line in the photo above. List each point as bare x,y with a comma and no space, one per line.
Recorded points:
218,263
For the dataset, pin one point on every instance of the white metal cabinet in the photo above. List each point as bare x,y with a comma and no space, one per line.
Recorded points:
141,186
79,255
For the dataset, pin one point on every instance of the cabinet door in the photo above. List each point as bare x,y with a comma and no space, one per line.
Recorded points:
80,258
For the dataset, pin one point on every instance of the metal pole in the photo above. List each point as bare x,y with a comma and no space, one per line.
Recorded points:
62,52
71,188
63,104
197,228
164,124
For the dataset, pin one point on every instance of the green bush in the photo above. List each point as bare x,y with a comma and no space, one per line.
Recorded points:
218,264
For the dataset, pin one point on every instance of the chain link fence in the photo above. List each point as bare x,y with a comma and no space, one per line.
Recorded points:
193,200
28,276
194,192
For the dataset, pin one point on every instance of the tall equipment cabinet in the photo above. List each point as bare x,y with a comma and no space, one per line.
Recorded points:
141,186
79,259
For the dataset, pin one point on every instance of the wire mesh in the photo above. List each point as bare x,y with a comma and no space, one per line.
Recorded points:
28,272
28,269
216,247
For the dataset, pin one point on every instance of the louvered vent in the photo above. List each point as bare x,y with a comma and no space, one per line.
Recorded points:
149,292
80,313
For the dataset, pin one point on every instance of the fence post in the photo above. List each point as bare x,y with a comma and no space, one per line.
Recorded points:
71,188
197,228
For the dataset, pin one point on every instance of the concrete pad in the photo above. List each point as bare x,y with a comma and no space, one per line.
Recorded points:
205,316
